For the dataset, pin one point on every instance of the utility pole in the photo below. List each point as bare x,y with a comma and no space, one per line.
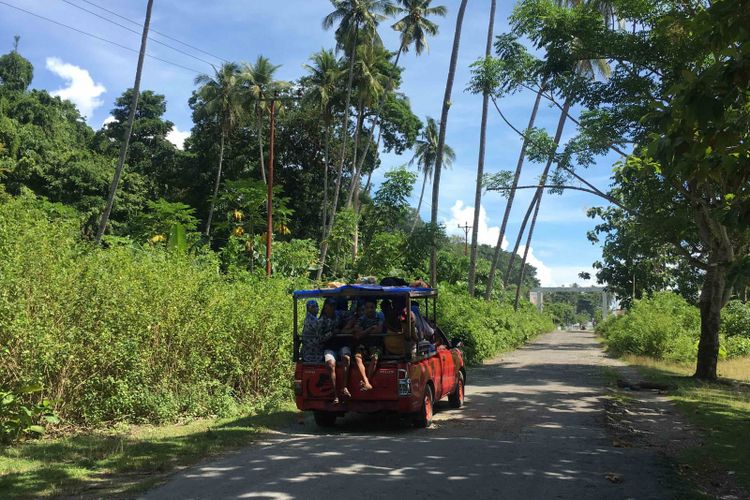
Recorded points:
269,228
271,144
466,228
128,129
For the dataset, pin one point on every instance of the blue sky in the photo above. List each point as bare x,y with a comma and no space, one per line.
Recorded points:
93,73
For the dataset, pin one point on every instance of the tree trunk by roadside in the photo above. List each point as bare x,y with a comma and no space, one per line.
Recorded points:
128,129
325,180
337,189
712,300
419,204
480,162
526,251
441,136
216,185
538,195
259,128
358,161
511,197
375,124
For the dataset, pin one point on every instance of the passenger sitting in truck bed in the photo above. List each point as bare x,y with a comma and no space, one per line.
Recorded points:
328,326
367,345
394,336
312,350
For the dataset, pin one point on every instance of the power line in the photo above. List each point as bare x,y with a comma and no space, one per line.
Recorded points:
97,37
154,31
137,32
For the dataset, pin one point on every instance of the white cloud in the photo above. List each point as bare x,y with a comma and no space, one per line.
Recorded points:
81,88
108,120
567,275
461,214
543,273
177,137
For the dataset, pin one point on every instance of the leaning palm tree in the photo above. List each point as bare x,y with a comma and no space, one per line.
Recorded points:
259,83
480,160
325,73
219,101
357,22
591,68
425,154
414,27
441,134
370,84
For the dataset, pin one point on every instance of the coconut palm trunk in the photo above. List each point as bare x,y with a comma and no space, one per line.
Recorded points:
511,197
375,124
216,185
324,209
345,132
538,198
419,203
441,137
480,161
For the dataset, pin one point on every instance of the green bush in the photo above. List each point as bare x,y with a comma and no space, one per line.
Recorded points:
667,327
664,326
132,334
735,319
487,327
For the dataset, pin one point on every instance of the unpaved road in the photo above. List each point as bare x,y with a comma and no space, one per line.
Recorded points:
533,427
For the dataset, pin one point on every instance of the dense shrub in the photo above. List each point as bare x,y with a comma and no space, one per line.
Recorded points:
132,334
487,327
664,326
735,319
667,327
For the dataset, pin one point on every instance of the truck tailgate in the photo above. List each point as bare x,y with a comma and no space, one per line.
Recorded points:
316,383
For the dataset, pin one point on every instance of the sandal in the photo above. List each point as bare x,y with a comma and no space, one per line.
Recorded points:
346,393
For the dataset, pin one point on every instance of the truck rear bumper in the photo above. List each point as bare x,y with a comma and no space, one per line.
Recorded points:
404,405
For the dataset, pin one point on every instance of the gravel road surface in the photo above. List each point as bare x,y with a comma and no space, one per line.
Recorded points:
533,427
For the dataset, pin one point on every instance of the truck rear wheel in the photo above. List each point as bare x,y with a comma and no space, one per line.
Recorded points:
424,417
325,418
456,398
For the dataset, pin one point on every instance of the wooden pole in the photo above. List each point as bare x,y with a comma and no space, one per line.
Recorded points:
269,228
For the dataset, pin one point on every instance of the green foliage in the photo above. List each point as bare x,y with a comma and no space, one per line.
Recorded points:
295,258
664,327
16,72
487,327
20,417
667,327
384,256
735,320
126,334
561,313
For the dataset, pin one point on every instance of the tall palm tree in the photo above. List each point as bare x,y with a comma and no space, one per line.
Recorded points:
357,22
480,160
258,79
220,101
590,68
441,134
370,84
414,27
425,154
325,73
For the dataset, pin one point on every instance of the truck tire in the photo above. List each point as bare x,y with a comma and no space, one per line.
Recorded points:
424,417
324,418
456,398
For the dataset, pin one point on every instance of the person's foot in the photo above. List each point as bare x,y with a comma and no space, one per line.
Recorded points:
336,400
346,393
365,386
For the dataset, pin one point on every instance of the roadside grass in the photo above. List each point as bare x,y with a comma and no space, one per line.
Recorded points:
106,463
720,410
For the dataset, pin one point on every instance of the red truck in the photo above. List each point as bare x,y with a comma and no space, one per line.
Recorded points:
409,384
